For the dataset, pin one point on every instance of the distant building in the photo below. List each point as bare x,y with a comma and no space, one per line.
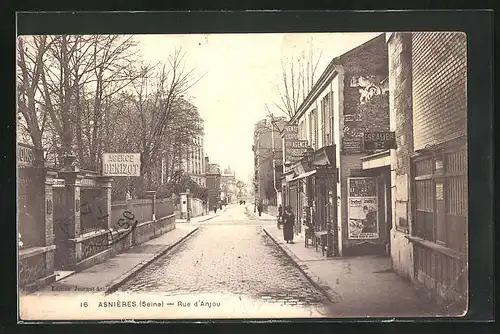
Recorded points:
264,131
213,182
194,162
188,159
228,185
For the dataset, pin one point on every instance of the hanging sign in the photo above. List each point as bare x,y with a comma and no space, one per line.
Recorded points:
363,222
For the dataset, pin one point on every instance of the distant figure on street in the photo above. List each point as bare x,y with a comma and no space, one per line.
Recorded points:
215,209
259,208
288,222
280,214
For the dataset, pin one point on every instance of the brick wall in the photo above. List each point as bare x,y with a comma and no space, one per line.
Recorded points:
365,69
439,87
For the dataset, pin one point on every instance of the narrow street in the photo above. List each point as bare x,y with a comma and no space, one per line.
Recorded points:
229,255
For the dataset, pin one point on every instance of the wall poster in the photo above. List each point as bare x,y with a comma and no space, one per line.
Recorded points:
363,221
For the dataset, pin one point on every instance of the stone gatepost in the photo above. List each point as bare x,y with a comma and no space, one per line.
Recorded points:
152,194
72,179
49,220
105,183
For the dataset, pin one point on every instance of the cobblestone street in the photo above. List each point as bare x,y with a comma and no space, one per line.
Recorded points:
229,255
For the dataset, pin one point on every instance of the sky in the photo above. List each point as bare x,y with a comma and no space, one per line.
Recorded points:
240,73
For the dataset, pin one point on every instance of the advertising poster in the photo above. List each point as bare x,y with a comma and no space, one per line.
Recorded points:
362,199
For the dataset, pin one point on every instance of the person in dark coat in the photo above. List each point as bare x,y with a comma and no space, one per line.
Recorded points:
280,214
288,222
259,208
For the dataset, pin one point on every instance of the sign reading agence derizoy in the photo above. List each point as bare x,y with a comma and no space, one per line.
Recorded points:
121,164
379,140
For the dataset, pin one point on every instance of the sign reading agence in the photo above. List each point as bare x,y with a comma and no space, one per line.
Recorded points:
121,164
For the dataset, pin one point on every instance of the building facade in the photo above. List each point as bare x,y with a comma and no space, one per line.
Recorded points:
268,161
194,162
384,167
327,187
428,73
228,186
213,183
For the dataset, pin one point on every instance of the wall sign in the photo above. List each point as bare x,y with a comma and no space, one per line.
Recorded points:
121,164
439,191
294,148
363,222
379,140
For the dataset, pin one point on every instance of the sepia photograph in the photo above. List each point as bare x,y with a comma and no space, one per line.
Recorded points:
242,175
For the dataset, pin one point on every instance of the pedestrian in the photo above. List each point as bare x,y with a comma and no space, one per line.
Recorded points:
215,209
288,222
280,214
259,208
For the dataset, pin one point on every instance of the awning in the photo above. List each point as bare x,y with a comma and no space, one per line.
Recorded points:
325,156
380,159
303,175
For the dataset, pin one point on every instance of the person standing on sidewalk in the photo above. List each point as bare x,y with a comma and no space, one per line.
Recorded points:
259,208
288,221
280,214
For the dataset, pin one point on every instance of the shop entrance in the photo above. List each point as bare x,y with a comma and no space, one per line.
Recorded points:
382,176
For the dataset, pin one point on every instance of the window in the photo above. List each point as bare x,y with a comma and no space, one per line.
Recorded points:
302,130
313,128
327,119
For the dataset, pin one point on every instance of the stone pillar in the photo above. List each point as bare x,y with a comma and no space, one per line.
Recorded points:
401,121
72,180
49,207
49,220
152,195
105,183
183,205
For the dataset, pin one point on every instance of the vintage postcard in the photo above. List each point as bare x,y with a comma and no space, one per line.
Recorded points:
264,175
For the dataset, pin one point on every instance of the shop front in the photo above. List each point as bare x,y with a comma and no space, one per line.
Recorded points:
324,194
370,204
299,187
439,231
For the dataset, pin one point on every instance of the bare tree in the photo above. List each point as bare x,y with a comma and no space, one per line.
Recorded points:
80,75
30,58
298,76
157,105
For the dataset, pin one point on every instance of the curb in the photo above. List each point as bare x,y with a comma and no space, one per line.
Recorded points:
212,217
257,217
311,277
116,283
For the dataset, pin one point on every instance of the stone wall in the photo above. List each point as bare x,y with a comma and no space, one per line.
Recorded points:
400,83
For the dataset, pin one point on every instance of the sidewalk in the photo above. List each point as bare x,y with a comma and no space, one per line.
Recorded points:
255,215
362,286
107,276
201,219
